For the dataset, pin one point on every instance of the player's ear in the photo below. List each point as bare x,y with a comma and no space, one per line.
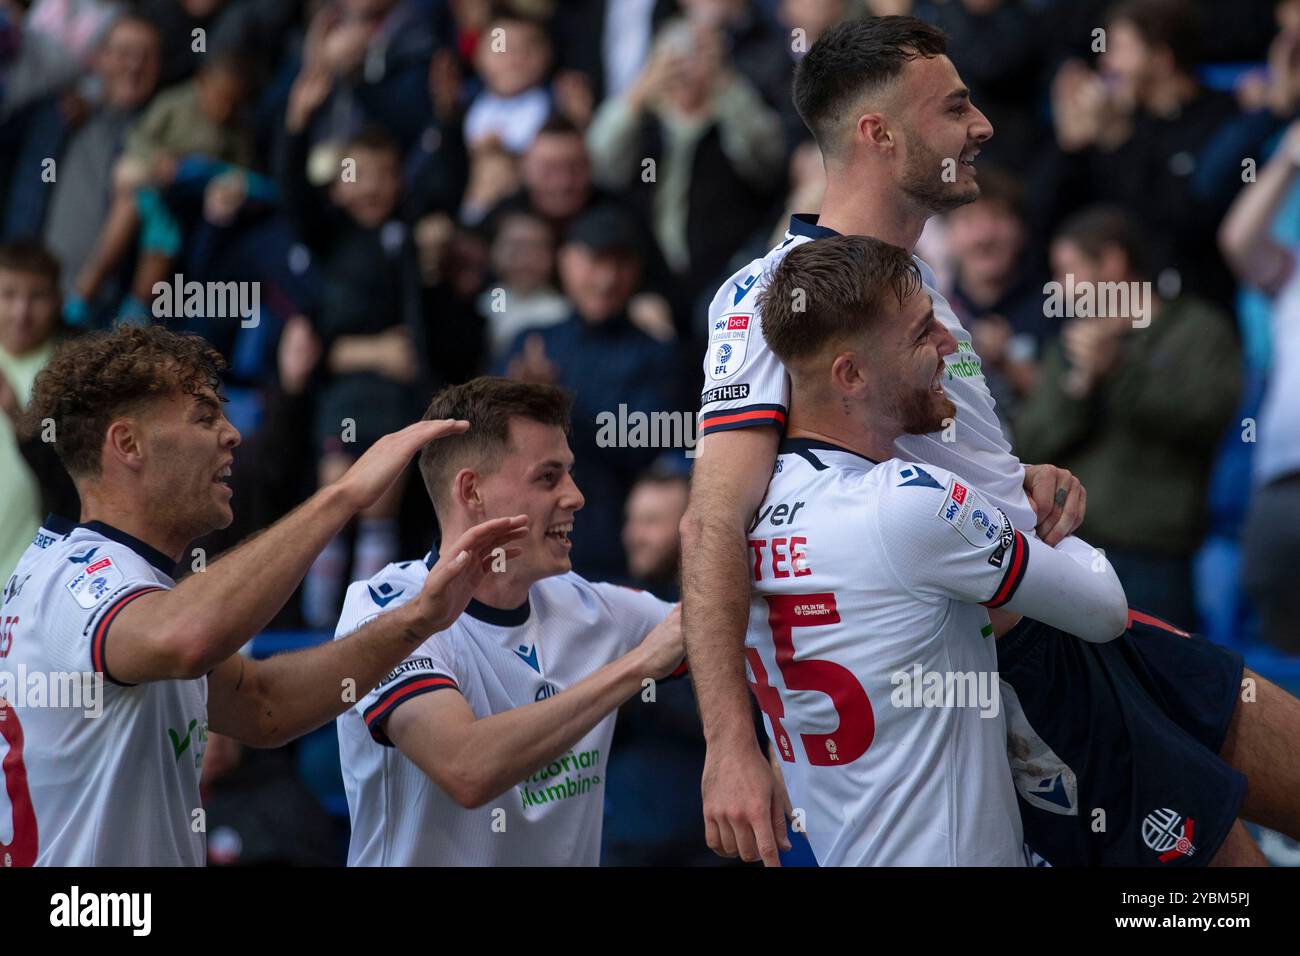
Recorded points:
122,444
847,374
874,131
465,492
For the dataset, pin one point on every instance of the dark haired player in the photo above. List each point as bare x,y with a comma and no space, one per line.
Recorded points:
139,426
1166,742
488,745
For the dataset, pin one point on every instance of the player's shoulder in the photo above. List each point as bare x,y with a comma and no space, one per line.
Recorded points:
920,499
739,292
88,564
603,598
905,490
391,587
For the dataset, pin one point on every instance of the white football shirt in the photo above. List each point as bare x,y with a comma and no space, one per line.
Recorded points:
746,385
96,773
498,660
864,596
872,657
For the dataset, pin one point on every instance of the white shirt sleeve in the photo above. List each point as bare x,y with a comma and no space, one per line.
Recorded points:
429,668
98,584
945,541
744,383
634,613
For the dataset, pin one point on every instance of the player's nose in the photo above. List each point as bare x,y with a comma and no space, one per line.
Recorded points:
572,498
947,342
981,129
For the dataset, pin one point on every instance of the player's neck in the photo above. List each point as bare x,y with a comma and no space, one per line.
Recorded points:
861,437
136,521
505,590
854,207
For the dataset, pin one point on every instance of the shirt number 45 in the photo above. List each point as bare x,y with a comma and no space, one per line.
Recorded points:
857,726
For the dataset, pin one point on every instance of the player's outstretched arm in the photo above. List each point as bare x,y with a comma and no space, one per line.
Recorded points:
268,703
742,815
184,632
474,759
943,540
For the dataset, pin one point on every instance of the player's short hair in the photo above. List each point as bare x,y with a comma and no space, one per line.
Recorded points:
830,289
488,404
854,58
1097,228
97,378
29,258
1173,24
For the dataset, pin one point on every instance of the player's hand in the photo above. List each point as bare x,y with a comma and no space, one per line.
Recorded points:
461,569
374,472
1059,501
743,813
664,647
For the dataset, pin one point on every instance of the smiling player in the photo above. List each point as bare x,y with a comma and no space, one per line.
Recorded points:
139,426
488,745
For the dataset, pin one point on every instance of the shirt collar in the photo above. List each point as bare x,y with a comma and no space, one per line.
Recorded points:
501,617
805,224
65,527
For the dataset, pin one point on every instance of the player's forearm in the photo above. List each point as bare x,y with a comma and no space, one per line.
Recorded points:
298,692
715,614
217,610
1086,600
500,751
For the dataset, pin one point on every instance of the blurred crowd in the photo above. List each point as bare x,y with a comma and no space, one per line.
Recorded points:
421,191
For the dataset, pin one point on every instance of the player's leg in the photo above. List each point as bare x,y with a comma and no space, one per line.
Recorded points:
1263,742
1239,849
1105,777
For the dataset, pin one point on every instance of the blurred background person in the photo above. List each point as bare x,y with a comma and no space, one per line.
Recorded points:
694,143
996,288
659,738
29,320
1271,538
1133,402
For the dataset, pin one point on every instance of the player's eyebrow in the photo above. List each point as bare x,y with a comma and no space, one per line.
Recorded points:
553,463
960,93
205,403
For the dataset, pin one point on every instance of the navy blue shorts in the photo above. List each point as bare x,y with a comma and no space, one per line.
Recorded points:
1114,747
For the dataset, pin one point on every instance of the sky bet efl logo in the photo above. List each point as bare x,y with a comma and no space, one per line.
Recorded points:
727,345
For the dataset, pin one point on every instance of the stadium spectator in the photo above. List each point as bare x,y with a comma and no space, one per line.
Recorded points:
694,144
29,318
609,56
1271,538
371,325
524,295
512,58
608,362
56,44
1133,400
373,56
650,538
188,135
1133,135
70,212
660,739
